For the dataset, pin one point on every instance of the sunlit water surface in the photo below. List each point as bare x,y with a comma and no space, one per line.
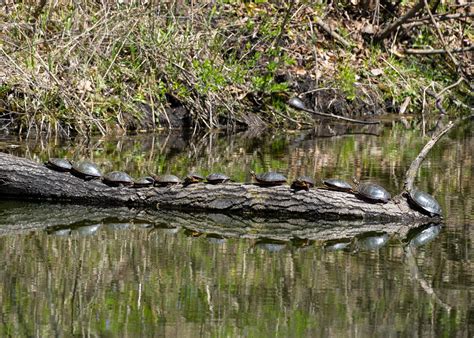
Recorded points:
156,276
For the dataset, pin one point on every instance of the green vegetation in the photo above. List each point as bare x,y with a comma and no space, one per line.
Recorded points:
87,68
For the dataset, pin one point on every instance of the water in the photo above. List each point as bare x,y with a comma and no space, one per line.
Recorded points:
121,271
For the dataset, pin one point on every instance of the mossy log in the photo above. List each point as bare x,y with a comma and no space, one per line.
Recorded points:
24,179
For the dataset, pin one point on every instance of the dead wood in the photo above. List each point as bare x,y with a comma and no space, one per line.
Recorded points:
23,179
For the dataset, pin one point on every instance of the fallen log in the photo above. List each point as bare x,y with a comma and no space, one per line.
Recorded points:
24,179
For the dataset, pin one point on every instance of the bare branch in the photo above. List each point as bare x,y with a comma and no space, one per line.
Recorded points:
436,51
391,28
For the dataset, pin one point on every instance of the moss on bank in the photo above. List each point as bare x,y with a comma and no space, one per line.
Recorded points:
81,68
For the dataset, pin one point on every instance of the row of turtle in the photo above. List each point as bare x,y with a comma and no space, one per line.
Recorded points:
367,191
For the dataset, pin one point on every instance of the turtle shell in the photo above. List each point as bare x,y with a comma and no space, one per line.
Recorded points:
303,182
59,164
166,180
216,178
86,170
142,182
373,193
270,178
424,202
193,178
337,184
117,178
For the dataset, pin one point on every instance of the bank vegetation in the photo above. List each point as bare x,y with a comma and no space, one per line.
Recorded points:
69,67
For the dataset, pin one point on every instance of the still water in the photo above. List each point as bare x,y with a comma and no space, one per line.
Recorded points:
75,270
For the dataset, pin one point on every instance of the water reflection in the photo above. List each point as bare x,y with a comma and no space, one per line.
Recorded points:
143,273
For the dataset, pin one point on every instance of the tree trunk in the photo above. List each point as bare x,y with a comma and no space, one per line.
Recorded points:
23,179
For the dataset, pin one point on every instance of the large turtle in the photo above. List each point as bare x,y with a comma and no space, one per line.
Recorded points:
270,178
424,202
59,164
117,179
337,184
86,170
373,193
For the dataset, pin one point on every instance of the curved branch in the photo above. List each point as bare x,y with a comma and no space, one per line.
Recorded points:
415,165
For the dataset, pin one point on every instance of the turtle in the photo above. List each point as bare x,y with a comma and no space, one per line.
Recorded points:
143,182
424,202
302,183
166,180
270,178
59,164
373,193
192,178
337,184
86,170
117,179
217,178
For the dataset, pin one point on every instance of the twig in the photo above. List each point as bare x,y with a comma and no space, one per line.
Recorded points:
440,17
437,51
332,116
415,165
331,32
408,15
440,35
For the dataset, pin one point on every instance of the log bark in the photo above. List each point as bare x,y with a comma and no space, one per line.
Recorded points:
23,179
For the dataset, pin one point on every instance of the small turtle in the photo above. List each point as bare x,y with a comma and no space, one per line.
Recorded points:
337,184
270,178
117,179
217,178
424,202
59,164
302,183
192,178
143,182
373,193
86,170
166,180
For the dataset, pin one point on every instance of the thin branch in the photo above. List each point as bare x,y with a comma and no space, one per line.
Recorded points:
415,165
440,35
331,32
437,51
391,28
440,17
298,104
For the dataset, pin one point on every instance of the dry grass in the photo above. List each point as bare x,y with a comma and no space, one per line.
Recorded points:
90,66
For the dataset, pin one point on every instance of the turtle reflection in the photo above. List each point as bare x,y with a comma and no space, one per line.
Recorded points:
271,245
371,242
423,235
342,244
87,230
